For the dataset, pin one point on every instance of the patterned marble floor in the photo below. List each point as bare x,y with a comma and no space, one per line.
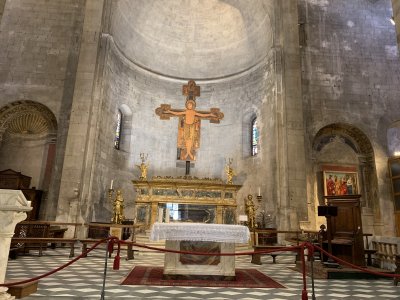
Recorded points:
84,280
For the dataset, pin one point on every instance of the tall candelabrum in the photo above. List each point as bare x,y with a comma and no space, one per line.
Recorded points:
143,166
230,173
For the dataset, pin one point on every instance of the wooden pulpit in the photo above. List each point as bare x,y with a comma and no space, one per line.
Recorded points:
345,229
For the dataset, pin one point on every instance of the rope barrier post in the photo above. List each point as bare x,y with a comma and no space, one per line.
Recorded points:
312,270
304,295
105,272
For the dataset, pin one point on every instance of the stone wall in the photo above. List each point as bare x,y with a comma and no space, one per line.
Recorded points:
39,47
350,64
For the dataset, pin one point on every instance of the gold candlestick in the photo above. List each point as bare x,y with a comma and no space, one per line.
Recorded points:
229,171
143,167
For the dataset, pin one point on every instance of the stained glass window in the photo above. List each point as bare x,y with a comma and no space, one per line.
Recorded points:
254,137
117,137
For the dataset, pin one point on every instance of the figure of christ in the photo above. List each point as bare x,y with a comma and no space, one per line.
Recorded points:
189,121
189,135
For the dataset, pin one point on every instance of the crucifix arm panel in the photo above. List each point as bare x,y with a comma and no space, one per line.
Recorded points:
165,112
214,115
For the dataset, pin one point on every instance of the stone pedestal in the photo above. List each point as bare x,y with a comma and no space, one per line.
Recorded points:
13,208
199,238
222,267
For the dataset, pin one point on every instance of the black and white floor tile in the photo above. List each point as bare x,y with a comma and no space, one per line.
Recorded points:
84,280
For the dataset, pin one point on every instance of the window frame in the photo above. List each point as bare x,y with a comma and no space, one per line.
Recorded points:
118,130
254,141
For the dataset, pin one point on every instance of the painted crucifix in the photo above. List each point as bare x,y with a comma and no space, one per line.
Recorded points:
189,121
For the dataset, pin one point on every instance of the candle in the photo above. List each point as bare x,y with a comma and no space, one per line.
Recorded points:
112,182
259,191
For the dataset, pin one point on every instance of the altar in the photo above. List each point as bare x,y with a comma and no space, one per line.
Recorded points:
185,199
199,237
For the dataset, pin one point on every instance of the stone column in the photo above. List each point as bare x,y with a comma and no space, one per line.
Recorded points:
13,208
396,18
75,187
291,175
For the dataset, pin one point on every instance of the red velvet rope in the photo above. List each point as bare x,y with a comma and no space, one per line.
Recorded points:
310,247
59,268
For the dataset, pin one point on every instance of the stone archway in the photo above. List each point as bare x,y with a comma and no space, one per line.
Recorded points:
26,118
28,133
344,144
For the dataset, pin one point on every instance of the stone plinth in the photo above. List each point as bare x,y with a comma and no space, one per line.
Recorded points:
13,208
200,238
221,267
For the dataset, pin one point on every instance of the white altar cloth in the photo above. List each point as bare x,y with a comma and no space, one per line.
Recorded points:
222,233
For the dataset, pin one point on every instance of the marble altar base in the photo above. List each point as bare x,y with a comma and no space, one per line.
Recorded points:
220,268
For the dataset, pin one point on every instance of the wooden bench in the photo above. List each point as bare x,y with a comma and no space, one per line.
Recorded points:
130,251
256,257
26,230
56,232
45,241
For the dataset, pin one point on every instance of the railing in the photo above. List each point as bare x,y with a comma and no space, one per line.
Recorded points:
291,236
386,251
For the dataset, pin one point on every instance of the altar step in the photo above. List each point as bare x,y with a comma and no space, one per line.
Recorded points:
323,271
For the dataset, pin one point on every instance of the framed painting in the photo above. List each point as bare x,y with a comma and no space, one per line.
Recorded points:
340,181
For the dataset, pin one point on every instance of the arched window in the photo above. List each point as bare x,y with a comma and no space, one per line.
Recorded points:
117,136
254,137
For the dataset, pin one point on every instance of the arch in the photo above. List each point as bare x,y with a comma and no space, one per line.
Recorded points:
27,119
28,127
126,111
347,136
351,135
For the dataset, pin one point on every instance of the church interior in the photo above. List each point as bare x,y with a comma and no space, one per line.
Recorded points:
279,115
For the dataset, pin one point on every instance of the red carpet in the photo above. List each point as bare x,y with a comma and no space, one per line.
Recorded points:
245,278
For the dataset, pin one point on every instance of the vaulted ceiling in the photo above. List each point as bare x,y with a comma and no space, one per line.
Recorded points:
196,39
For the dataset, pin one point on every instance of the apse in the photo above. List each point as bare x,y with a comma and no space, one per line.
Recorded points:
194,39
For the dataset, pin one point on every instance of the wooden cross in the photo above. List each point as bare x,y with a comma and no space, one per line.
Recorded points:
191,90
189,121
